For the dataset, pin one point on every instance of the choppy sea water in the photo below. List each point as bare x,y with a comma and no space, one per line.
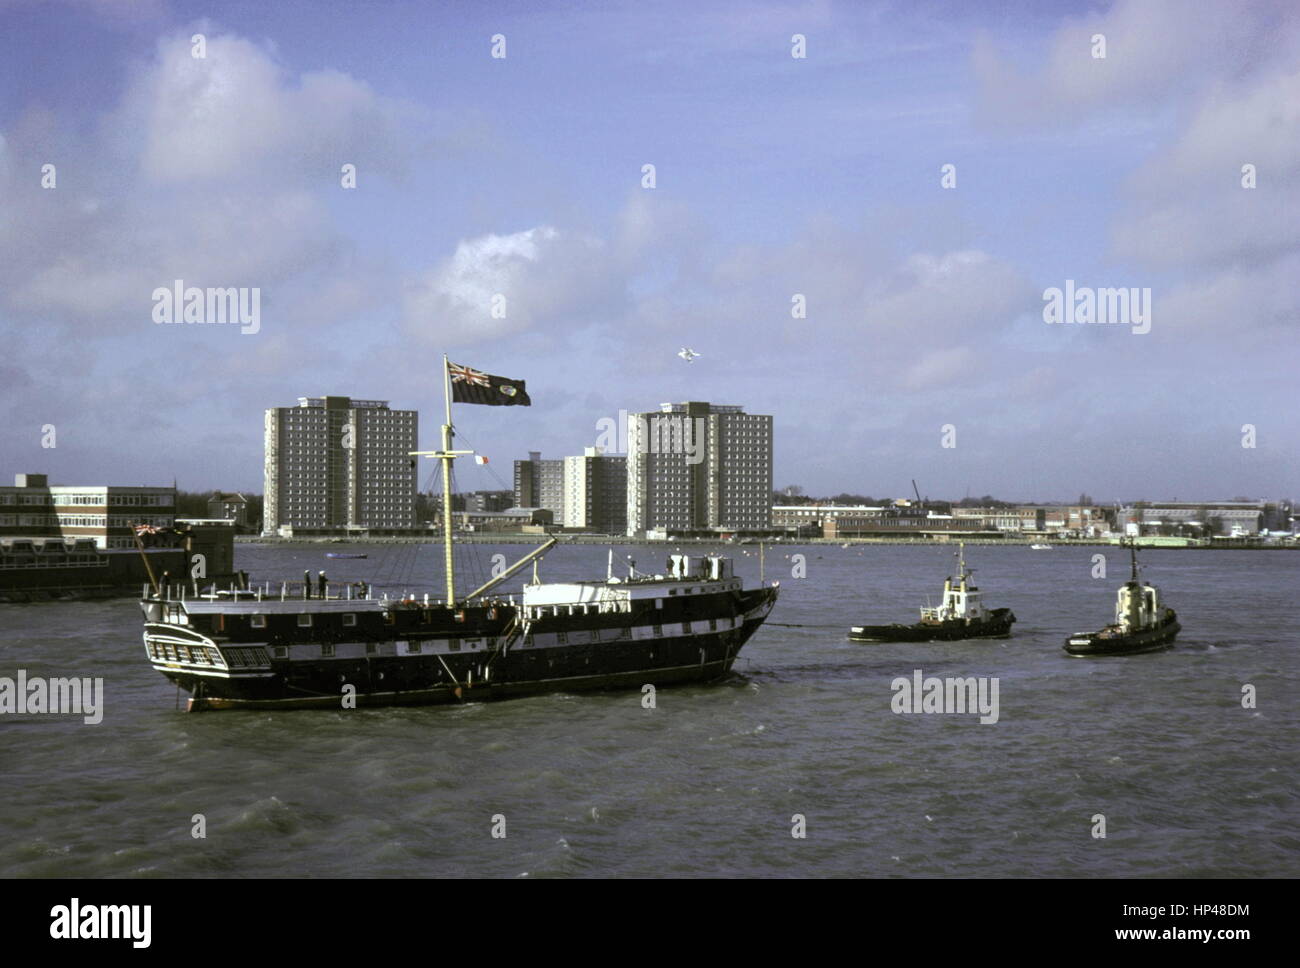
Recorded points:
1191,784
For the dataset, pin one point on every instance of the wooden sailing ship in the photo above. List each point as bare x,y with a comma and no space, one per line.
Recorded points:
313,644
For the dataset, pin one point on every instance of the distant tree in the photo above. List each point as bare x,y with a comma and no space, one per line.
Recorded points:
852,499
781,497
193,504
254,514
425,509
428,506
987,501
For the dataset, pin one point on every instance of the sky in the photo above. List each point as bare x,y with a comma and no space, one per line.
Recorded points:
922,351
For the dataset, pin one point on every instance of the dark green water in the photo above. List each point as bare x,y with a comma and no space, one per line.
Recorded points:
1191,784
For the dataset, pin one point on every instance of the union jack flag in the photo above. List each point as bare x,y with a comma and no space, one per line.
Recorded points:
464,374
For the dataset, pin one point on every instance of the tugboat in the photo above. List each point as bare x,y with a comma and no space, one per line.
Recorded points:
1142,622
961,616
313,644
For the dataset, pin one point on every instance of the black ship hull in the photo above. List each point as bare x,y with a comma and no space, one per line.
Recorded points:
437,656
996,626
1110,641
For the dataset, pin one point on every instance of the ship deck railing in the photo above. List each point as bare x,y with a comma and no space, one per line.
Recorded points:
179,593
55,560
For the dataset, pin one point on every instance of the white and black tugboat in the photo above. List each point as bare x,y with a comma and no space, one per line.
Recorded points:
961,615
1142,622
313,644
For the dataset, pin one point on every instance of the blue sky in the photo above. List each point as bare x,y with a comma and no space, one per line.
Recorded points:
775,176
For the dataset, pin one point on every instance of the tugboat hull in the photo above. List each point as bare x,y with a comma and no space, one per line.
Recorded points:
1110,641
996,626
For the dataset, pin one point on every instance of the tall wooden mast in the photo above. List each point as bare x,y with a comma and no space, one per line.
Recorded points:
447,458
446,455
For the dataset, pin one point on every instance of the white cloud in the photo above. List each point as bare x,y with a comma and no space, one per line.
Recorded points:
1155,49
213,170
1189,205
967,294
494,285
230,239
236,112
1238,307
1225,88
940,367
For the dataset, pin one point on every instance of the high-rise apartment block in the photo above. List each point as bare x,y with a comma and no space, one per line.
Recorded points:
595,492
540,484
333,463
698,467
